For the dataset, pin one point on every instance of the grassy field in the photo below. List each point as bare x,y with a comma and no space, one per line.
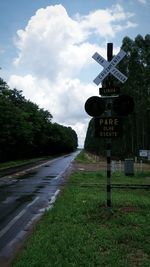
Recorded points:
80,231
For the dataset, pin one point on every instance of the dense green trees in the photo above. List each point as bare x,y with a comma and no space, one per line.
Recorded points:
27,131
136,127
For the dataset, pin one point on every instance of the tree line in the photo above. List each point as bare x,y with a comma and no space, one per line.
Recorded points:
27,131
136,127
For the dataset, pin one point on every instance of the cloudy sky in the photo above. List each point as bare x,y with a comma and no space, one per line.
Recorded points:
46,49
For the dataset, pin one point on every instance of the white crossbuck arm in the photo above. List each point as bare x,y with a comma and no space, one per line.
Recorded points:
109,67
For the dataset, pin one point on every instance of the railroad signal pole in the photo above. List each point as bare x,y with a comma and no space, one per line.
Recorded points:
109,126
109,195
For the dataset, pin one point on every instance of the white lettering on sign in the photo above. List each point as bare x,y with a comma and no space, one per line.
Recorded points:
109,121
108,126
109,67
119,75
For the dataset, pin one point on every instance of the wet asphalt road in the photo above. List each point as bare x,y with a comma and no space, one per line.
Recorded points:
24,199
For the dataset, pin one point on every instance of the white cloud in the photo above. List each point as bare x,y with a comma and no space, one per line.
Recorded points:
104,22
144,2
55,49
64,99
2,51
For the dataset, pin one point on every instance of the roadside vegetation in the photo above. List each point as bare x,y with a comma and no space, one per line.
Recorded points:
80,231
84,157
27,131
17,163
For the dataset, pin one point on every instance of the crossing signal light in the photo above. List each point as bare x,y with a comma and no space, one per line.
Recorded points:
95,106
123,105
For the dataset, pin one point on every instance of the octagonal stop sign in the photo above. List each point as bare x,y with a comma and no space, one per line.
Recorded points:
94,106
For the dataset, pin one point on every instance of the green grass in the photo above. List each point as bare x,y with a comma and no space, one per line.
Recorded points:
80,231
84,157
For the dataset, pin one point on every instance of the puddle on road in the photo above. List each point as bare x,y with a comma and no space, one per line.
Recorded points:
50,176
37,190
28,175
26,198
40,187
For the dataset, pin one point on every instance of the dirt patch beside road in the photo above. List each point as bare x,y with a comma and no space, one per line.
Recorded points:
102,166
89,166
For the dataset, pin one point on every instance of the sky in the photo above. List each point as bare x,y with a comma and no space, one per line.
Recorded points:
46,49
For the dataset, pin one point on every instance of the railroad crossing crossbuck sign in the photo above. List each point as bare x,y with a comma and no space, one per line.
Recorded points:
109,67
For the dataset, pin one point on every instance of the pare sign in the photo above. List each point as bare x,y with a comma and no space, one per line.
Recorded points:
108,127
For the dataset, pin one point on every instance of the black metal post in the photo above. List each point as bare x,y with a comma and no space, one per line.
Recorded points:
109,102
